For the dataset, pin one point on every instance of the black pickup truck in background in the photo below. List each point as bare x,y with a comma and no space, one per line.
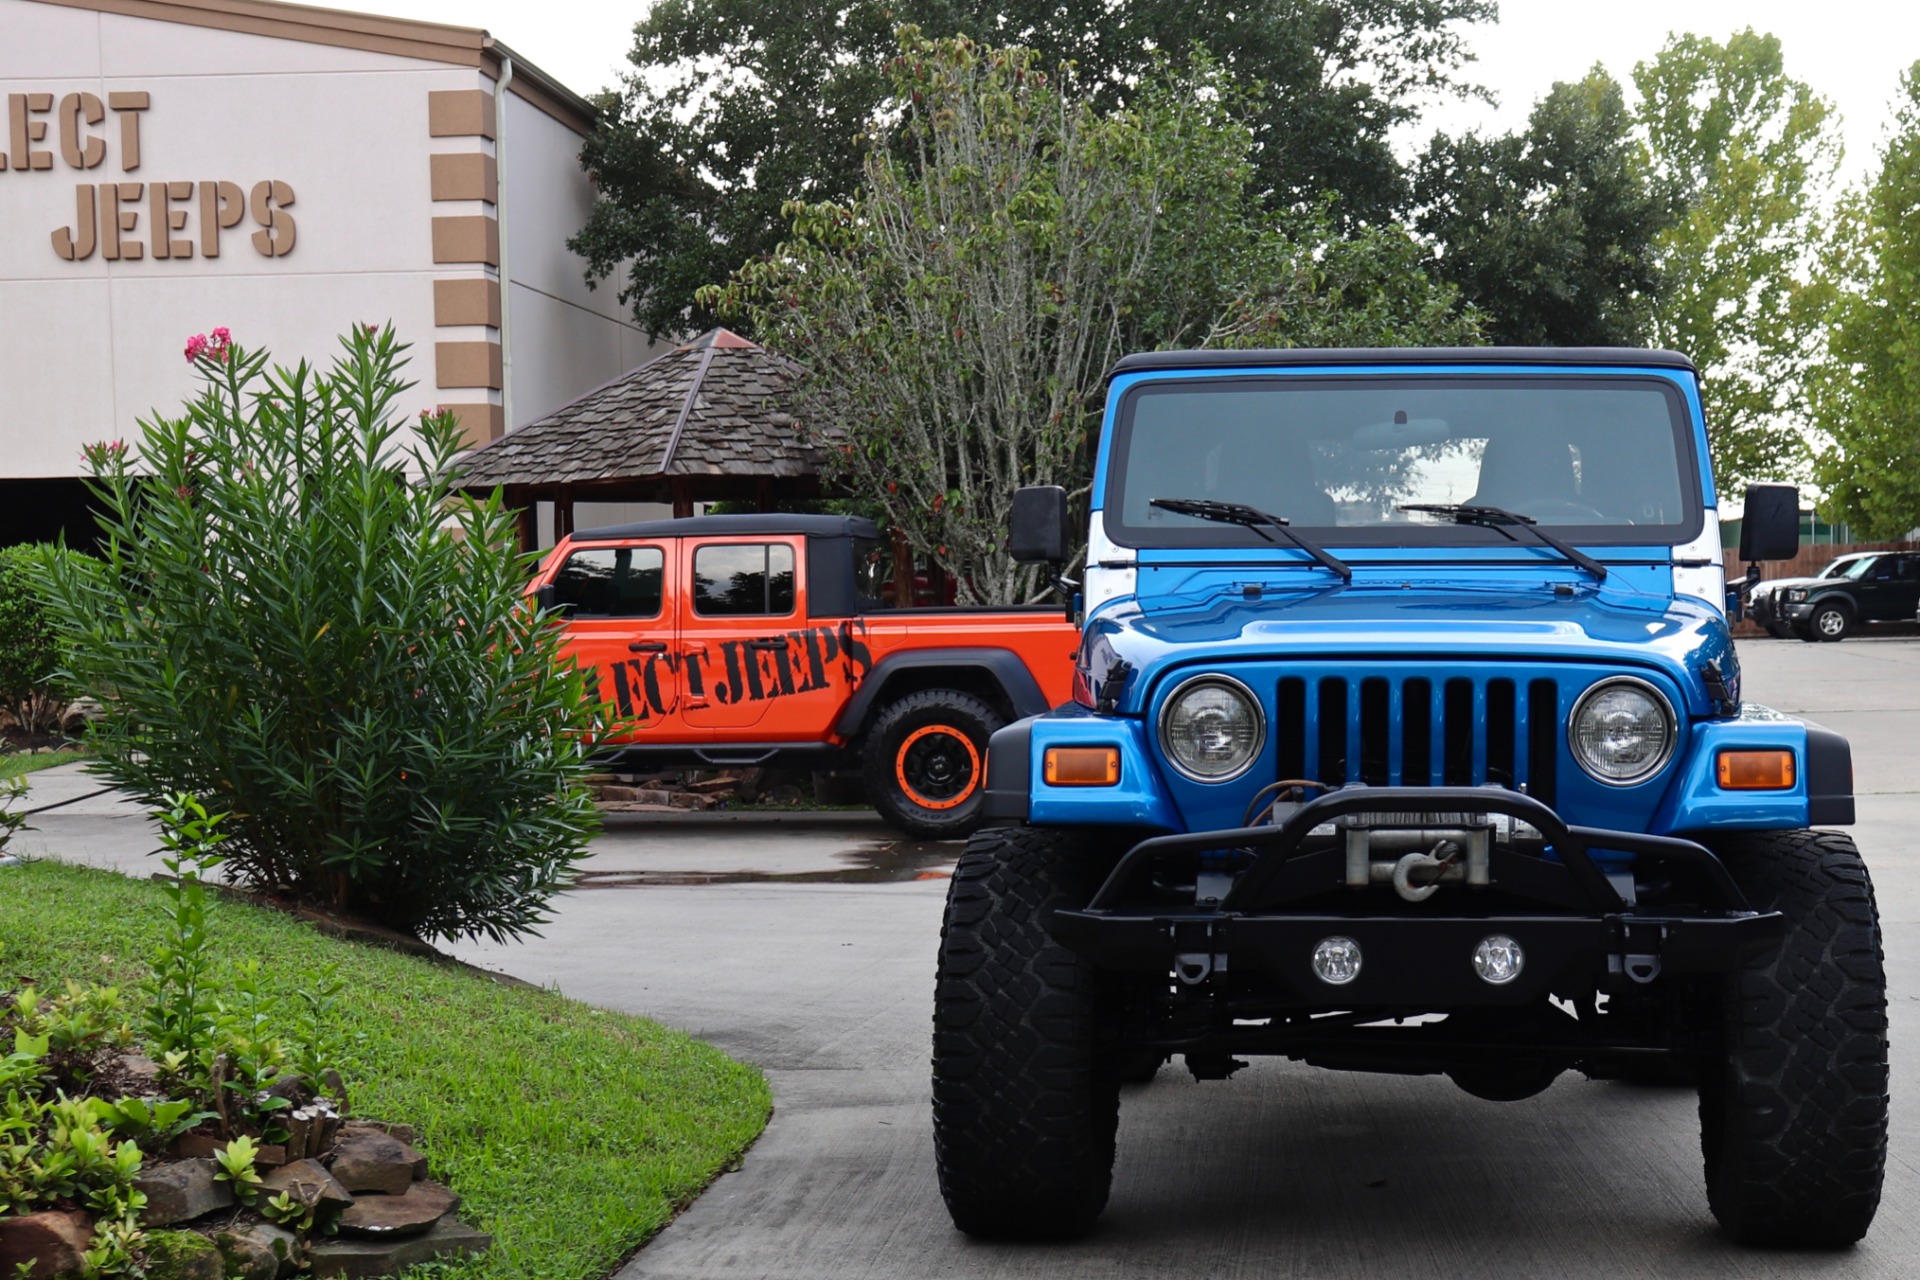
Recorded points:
1869,586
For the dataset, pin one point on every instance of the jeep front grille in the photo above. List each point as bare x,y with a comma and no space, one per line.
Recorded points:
1416,731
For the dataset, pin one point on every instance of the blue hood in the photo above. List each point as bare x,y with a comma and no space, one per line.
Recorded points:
1191,619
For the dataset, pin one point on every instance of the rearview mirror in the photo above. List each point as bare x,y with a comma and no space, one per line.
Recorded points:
1770,529
1038,532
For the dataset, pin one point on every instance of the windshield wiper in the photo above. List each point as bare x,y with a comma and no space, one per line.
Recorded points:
1503,520
1254,519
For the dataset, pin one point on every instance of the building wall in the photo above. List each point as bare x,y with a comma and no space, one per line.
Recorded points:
331,154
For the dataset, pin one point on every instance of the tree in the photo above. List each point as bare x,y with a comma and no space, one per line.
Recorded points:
1746,155
337,660
958,316
29,658
1551,232
1868,401
737,106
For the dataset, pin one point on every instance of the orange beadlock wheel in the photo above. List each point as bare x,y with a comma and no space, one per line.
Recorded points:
937,767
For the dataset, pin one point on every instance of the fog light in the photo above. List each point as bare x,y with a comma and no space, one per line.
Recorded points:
1336,961
1498,959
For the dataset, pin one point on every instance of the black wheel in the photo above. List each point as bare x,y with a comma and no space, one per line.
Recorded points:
1779,630
1023,1113
1793,1115
926,762
1829,622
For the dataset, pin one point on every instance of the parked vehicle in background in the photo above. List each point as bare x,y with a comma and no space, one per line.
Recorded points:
1407,736
1869,586
762,639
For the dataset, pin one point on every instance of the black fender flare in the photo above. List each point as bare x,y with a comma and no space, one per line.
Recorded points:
1009,774
1003,665
1840,598
1829,778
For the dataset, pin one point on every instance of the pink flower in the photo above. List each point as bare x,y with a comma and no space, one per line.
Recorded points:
196,347
222,336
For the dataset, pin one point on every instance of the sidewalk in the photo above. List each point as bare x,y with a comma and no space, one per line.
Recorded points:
105,831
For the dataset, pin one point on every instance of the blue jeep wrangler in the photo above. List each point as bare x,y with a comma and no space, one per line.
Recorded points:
1407,736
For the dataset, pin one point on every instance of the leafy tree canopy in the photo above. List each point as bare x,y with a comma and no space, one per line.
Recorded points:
1006,245
736,106
1746,155
1552,231
1869,402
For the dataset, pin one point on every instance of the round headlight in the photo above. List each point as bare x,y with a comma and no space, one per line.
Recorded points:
1212,728
1622,731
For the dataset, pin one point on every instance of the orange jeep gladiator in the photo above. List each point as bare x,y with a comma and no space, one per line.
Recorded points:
756,639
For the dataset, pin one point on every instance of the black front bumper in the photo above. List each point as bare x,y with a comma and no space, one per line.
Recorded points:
1572,924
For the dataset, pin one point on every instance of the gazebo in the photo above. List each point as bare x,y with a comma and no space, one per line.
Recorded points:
707,421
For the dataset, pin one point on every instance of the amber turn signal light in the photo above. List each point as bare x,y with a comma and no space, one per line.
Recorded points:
1082,766
1756,771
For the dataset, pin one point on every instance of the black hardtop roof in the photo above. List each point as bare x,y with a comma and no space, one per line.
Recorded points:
772,524
1224,359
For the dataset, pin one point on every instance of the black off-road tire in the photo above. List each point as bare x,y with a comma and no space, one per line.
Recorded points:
1793,1116
941,728
1779,630
1024,1116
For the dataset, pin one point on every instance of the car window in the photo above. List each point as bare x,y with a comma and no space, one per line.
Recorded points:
742,579
612,582
1884,569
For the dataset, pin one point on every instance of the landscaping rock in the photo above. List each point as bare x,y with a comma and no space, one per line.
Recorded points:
195,1146
180,1192
422,1205
714,786
259,1251
365,1160
617,793
691,800
404,1132
308,1182
355,1259
182,1255
54,1242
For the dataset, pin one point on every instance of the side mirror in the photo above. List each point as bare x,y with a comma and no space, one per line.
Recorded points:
1038,533
1770,530
543,597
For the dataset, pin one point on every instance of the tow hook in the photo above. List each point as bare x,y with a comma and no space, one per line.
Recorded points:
1430,868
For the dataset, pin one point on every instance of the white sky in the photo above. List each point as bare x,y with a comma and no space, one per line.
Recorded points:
1851,51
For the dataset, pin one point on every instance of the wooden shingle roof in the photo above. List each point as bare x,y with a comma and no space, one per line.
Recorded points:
717,407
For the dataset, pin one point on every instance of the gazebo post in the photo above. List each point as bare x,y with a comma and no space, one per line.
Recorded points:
563,512
763,494
682,501
526,519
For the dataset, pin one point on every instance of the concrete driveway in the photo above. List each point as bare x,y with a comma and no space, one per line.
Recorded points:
1284,1170
807,947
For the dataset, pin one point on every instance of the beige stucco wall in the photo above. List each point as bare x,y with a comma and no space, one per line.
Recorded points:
88,346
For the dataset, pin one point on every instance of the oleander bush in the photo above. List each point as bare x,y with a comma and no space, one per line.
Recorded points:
30,693
299,621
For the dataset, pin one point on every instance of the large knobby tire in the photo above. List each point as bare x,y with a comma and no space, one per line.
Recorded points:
1023,1113
1829,621
1779,630
926,762
1793,1116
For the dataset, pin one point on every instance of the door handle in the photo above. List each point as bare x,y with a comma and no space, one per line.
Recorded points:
769,646
647,646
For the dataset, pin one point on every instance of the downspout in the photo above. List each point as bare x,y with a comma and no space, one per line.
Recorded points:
500,220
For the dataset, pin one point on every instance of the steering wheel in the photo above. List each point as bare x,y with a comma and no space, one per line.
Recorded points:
1555,510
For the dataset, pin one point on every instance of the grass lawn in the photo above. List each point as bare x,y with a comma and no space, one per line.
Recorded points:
12,766
571,1133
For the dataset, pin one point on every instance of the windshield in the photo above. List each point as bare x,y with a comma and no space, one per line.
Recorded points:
1606,459
1852,568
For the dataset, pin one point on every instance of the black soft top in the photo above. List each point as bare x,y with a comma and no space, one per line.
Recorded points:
1224,359
772,524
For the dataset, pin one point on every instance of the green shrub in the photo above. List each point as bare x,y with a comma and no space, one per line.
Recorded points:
28,657
300,623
